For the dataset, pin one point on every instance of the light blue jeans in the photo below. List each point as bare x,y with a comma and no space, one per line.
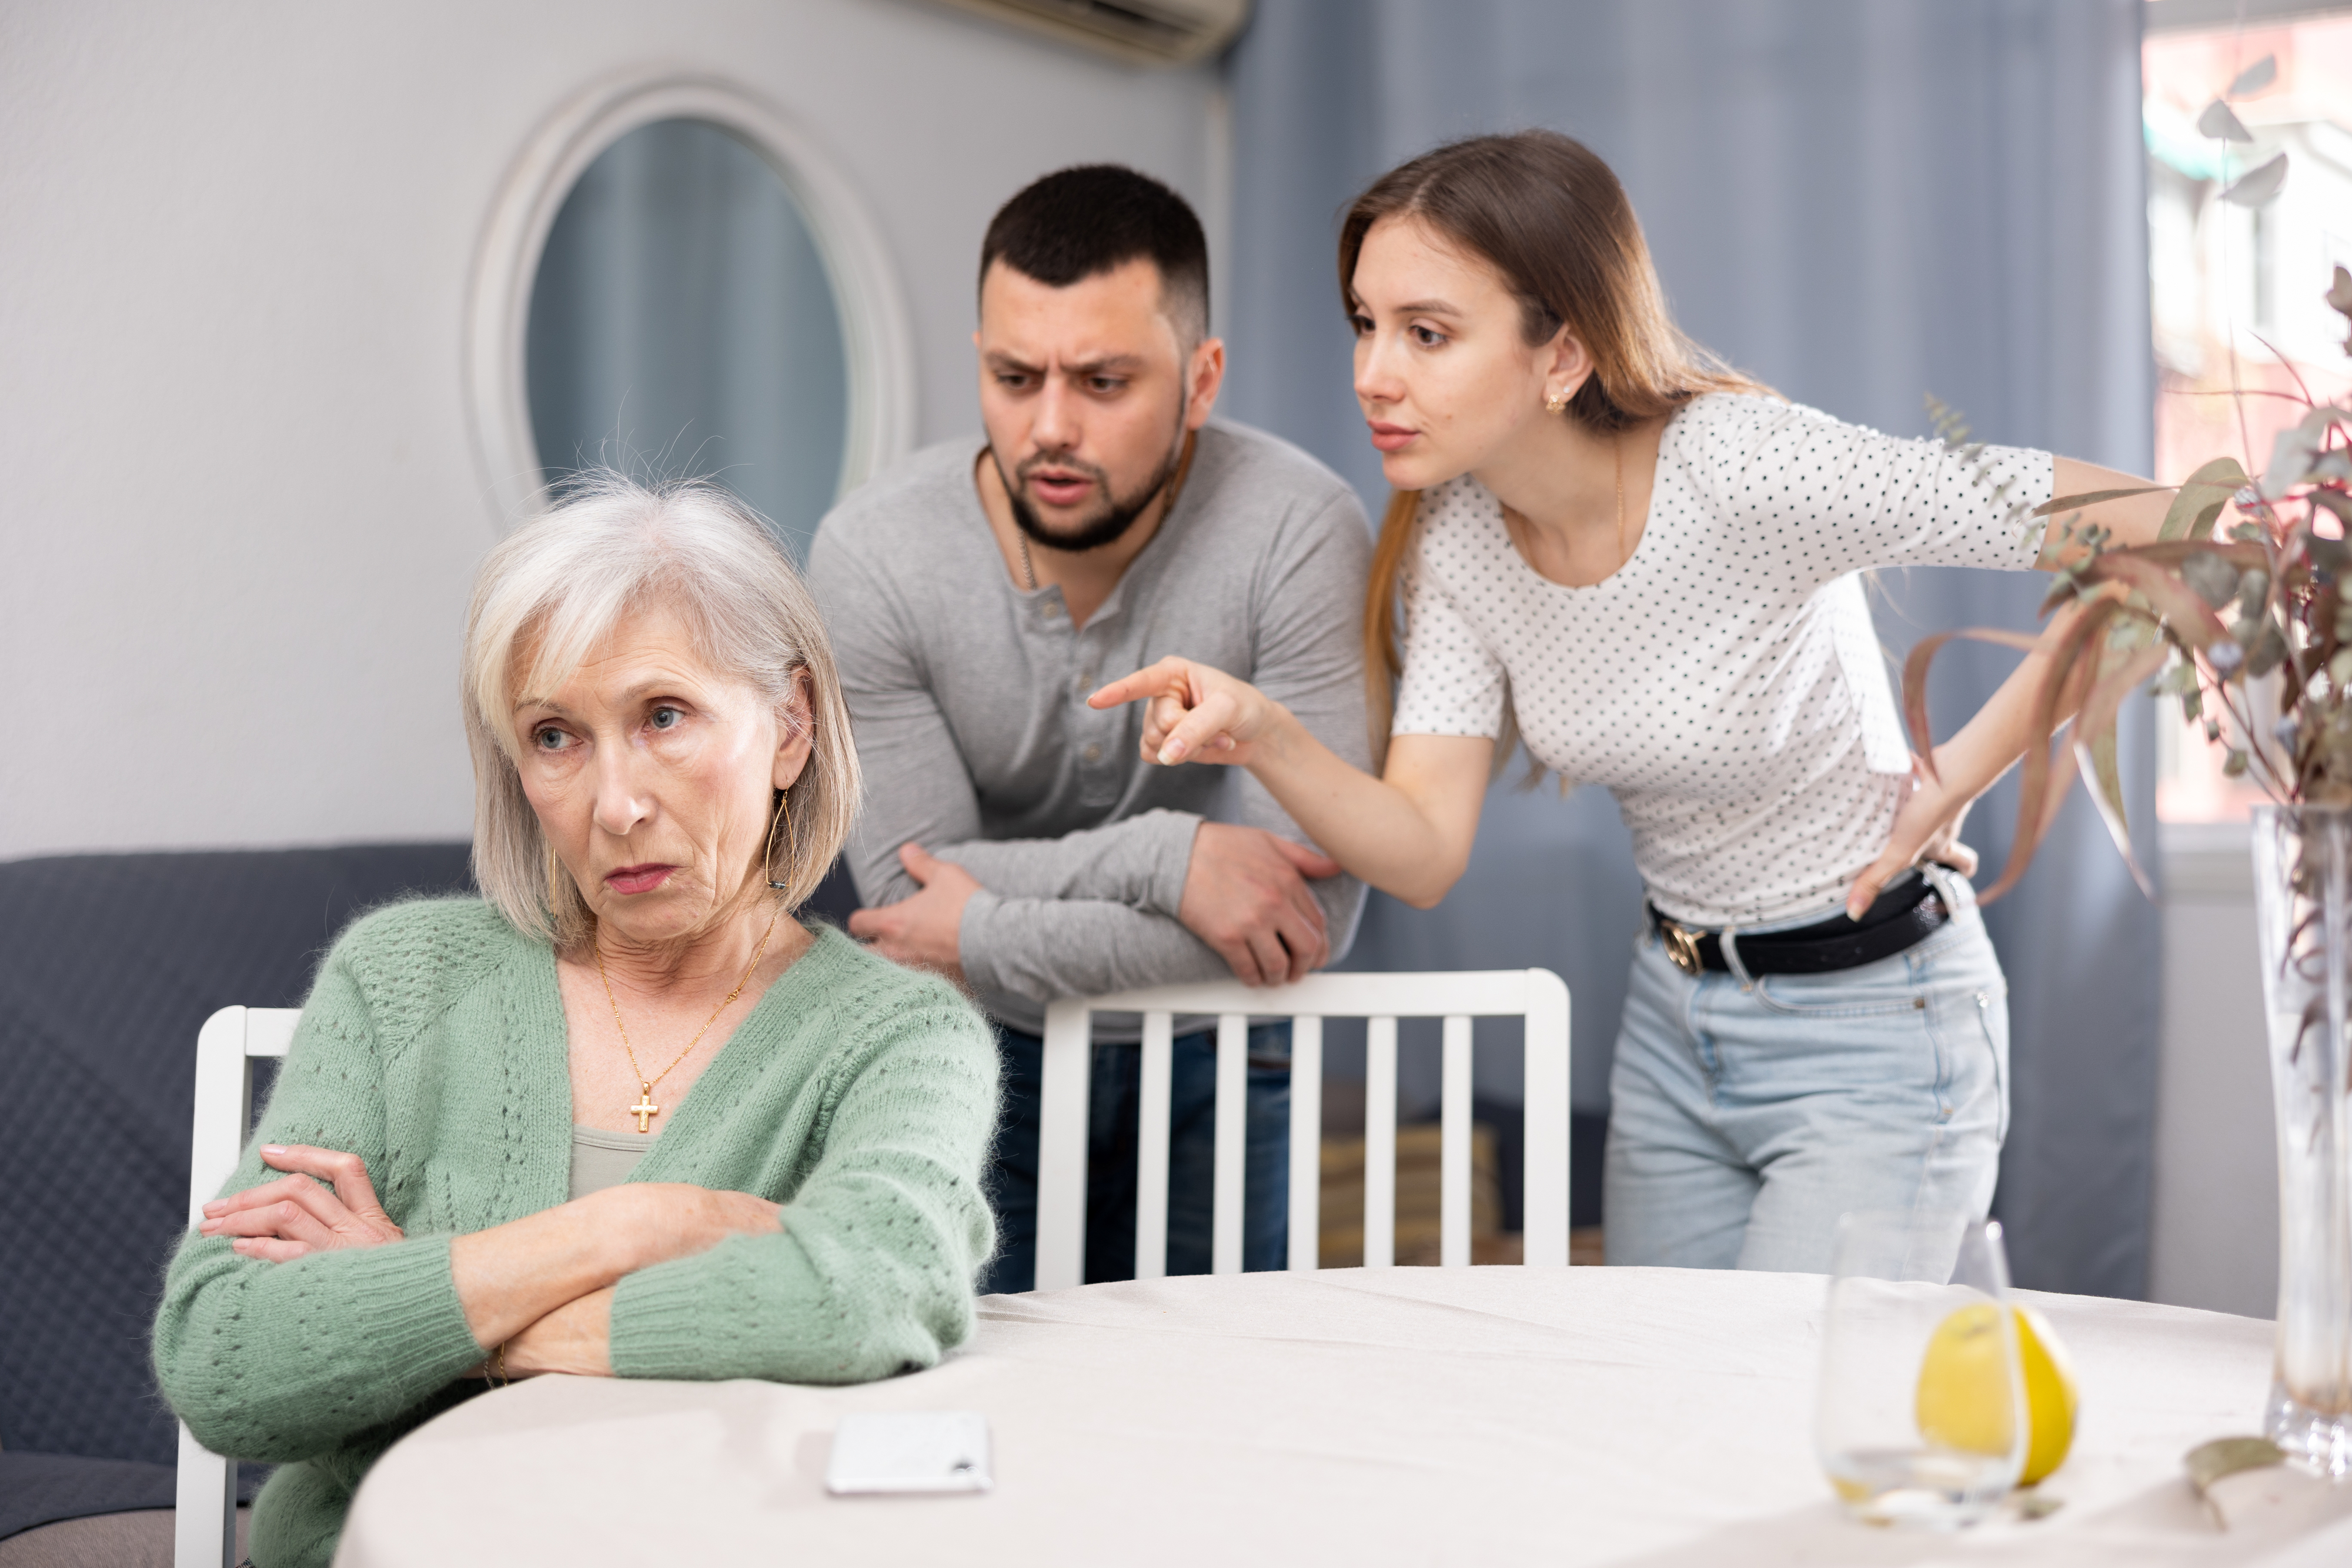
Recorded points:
1746,1115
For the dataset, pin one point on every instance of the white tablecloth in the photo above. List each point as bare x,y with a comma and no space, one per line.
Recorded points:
1463,1415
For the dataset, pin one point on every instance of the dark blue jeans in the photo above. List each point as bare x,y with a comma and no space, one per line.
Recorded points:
1113,1115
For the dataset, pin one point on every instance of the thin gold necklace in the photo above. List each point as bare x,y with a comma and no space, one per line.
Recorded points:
645,1110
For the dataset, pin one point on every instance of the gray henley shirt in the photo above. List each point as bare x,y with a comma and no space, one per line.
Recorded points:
969,698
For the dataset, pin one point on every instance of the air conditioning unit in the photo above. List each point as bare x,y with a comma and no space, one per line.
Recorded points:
1140,32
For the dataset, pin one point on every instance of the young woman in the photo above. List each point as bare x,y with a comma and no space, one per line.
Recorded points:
1607,544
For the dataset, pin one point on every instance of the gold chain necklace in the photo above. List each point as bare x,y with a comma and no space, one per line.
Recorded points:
645,1110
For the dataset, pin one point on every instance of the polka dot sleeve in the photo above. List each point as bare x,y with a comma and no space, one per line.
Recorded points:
1823,498
1453,683
1725,684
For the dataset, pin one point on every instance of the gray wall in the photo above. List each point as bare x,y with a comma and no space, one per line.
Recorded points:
241,507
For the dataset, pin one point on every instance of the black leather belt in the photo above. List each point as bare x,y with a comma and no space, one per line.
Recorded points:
1903,916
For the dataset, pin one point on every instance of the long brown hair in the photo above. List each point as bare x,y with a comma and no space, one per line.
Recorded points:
1550,218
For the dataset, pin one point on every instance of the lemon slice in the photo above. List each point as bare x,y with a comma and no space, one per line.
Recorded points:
1962,1403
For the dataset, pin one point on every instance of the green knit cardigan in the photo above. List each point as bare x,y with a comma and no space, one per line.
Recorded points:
859,1095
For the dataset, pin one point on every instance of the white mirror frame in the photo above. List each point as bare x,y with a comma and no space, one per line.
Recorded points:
877,341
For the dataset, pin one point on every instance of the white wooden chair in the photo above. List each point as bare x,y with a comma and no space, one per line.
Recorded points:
204,1528
1538,996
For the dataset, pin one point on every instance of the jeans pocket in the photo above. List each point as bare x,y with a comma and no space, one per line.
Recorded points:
1882,989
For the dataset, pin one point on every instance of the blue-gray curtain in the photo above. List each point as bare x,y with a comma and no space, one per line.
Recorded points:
1861,202
682,323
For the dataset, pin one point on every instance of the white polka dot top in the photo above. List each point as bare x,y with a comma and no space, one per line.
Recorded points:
1726,683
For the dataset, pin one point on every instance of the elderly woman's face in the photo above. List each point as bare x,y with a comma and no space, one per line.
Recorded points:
652,775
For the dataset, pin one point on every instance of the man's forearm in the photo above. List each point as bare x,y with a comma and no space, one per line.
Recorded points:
1138,861
1043,948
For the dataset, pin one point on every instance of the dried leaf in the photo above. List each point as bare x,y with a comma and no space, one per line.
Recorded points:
2223,1457
2042,788
2184,614
2269,650
2295,450
2175,552
1915,681
2200,500
2211,579
2091,498
2329,555
2256,76
2253,189
2221,124
2094,749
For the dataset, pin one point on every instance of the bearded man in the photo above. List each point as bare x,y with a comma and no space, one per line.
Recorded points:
1013,837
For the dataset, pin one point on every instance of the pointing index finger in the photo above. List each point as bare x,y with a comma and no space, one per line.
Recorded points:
1162,679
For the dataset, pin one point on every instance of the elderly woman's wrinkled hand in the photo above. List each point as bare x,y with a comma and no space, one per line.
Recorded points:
295,1215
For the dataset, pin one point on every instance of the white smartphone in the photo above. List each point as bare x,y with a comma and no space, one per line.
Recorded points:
910,1451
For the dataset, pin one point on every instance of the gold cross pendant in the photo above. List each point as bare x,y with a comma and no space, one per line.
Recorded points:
645,1110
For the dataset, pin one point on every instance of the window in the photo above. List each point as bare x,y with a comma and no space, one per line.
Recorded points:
2235,291
682,322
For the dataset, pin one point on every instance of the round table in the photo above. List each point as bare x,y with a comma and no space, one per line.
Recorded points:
1473,1416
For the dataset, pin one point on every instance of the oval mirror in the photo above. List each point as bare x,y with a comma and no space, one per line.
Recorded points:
682,321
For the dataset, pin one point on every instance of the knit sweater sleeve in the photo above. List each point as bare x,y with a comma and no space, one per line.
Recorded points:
872,1272
283,1362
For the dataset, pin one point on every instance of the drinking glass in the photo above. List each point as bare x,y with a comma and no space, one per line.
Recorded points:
1922,1419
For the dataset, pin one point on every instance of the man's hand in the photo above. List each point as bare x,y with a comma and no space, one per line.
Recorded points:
1927,827
1245,895
925,931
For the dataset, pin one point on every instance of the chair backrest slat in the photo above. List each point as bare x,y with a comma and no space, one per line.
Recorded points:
1156,1101
1454,1152
203,1524
1306,1140
1379,1142
1232,1150
1544,1147
1535,996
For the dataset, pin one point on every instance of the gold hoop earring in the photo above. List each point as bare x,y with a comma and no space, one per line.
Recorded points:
792,848
1556,404
554,884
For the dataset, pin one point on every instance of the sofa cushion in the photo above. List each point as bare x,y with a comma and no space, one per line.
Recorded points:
109,964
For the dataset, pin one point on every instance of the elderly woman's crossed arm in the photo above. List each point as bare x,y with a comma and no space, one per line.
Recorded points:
540,1288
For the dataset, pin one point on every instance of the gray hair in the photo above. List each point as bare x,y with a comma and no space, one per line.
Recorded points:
556,587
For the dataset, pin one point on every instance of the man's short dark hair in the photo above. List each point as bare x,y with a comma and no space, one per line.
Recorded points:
1076,223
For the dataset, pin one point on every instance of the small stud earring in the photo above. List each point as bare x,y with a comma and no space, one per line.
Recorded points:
1556,404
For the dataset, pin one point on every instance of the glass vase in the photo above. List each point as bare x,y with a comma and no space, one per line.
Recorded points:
2303,901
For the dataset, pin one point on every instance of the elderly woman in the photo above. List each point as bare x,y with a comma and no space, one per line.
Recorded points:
623,1115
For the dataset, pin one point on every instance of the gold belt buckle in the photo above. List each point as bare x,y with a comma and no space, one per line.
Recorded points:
1682,947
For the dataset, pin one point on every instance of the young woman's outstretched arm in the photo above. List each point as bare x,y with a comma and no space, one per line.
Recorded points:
1408,831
